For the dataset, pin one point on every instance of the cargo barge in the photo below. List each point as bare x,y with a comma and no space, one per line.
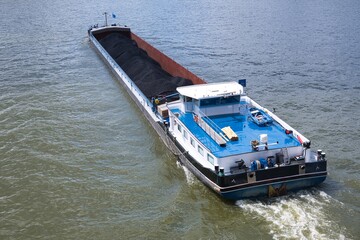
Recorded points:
227,140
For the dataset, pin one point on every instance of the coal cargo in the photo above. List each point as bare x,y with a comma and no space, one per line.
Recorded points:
144,71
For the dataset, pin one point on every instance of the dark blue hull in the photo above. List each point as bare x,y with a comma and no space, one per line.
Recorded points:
273,189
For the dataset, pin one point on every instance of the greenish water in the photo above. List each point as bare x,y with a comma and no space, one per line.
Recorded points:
79,161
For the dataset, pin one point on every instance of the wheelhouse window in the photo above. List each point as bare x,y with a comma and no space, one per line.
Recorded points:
220,101
201,150
179,127
230,99
188,99
192,142
209,102
210,159
185,134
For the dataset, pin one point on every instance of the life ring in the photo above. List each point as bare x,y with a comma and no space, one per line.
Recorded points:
196,118
157,101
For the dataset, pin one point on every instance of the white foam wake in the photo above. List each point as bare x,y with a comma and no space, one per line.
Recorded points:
298,216
190,178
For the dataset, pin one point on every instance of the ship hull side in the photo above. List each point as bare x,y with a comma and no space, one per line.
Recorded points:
273,189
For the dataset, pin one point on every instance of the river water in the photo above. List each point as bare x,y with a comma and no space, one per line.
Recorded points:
79,161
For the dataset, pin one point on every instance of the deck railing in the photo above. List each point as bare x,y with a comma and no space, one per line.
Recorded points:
212,129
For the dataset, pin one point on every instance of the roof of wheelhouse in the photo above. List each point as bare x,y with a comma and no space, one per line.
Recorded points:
211,90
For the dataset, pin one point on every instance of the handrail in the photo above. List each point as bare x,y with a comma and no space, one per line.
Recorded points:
218,137
213,125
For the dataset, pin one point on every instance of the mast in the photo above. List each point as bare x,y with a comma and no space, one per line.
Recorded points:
106,14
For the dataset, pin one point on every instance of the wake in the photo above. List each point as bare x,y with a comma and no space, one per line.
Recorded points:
300,215
190,178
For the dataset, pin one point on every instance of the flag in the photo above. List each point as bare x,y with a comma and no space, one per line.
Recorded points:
113,15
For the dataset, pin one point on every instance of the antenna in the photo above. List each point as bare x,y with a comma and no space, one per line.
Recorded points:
106,14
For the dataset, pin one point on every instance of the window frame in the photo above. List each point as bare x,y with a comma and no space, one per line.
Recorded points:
192,142
210,157
200,150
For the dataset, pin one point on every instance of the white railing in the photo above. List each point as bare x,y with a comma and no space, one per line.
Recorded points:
212,129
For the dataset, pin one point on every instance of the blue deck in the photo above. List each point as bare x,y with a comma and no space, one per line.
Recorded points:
246,130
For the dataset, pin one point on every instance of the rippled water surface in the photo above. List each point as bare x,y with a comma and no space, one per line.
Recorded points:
79,161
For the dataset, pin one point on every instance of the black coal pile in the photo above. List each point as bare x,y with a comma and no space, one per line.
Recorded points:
146,73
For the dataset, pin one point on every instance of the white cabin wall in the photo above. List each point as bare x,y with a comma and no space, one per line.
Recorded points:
196,109
244,105
295,151
171,121
230,161
185,142
189,107
182,107
309,157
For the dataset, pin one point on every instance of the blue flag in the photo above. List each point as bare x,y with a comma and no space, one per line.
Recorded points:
113,15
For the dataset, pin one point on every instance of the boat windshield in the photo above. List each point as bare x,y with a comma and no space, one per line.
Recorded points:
220,101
